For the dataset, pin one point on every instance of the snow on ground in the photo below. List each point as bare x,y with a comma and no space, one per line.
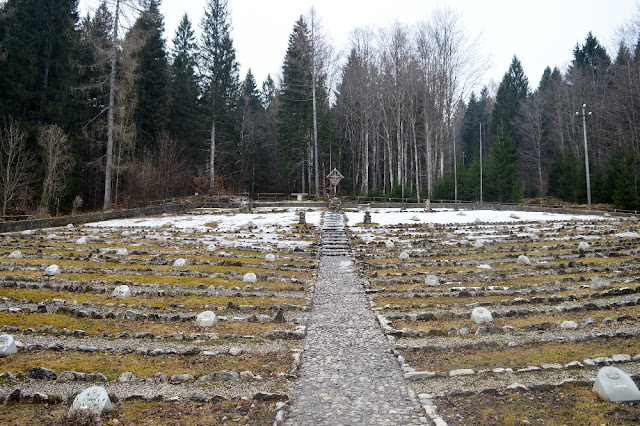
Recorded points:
449,216
264,227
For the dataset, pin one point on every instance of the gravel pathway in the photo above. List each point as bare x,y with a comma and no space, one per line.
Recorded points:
347,375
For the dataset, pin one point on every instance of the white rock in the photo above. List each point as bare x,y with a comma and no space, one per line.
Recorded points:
52,270
432,280
621,358
206,319
17,254
461,372
212,247
180,263
404,255
121,291
415,218
270,257
523,260
484,266
481,315
7,345
583,245
70,226
614,385
389,244
249,278
571,325
478,244
51,236
597,282
94,400
81,241
122,252
514,216
125,233
27,232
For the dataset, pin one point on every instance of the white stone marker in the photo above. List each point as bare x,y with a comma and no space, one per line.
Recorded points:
17,254
583,245
94,400
390,244
121,291
523,260
180,263
7,345
81,241
270,257
404,255
212,247
249,278
614,385
122,252
432,280
52,270
481,315
206,319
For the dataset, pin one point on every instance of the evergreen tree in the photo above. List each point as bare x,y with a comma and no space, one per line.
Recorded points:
513,89
501,183
184,114
35,73
295,108
221,86
474,115
152,81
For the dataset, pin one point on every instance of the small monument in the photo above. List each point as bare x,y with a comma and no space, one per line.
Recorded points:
249,278
367,218
614,385
92,400
334,179
245,205
302,219
121,291
427,205
180,263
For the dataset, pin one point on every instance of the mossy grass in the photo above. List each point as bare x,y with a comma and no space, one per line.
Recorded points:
519,356
112,365
96,327
519,322
570,404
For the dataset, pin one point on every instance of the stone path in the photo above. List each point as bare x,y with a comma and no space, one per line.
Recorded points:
347,375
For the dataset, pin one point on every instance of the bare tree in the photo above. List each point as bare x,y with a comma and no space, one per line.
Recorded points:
533,144
15,163
58,164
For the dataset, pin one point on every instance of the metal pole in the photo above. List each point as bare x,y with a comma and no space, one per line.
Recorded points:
480,163
586,153
455,169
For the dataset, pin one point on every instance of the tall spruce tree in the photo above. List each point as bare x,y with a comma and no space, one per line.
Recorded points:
152,81
295,108
184,113
501,180
221,85
35,70
513,89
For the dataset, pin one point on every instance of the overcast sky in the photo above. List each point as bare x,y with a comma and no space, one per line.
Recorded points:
540,33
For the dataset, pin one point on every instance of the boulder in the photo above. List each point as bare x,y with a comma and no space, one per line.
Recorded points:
432,280
41,373
249,278
121,291
481,315
122,252
270,257
93,400
614,385
583,245
81,241
404,255
179,263
597,282
206,319
523,260
52,270
17,254
7,345
389,244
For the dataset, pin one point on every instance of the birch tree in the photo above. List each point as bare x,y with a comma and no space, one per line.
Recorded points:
15,164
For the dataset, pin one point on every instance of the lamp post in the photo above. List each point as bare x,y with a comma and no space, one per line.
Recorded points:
586,151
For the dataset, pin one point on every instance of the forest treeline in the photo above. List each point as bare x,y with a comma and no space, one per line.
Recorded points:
100,111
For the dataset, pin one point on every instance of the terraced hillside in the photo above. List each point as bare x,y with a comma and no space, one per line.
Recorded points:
564,294
254,271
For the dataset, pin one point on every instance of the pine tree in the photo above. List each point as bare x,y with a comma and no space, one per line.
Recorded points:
152,82
295,108
513,89
221,85
501,181
36,74
184,113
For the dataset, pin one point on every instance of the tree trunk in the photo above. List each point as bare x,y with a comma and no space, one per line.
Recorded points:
212,159
112,96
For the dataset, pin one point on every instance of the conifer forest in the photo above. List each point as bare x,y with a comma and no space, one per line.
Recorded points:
107,111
